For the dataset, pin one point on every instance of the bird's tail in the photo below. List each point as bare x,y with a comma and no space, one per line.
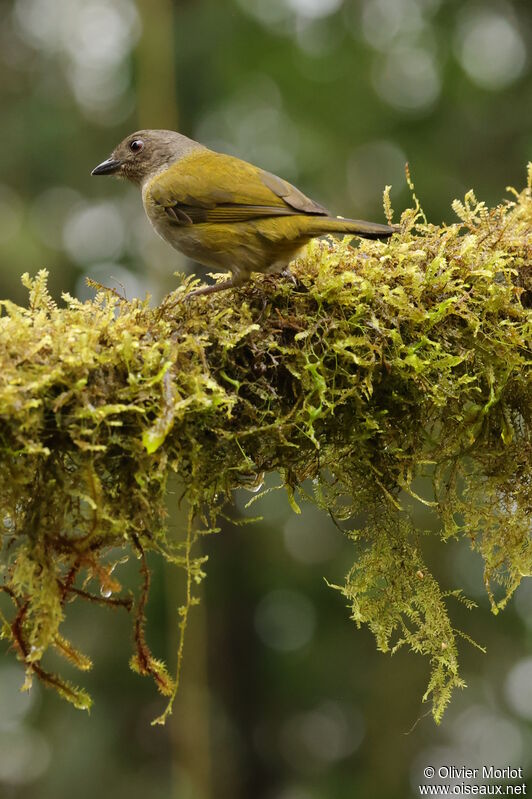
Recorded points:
358,227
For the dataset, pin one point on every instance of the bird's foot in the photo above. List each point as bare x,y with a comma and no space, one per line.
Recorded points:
288,273
223,286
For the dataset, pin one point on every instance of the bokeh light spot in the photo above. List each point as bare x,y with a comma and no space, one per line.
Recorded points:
518,688
408,78
49,213
311,537
320,39
94,233
314,8
312,741
40,22
93,40
14,703
104,33
253,125
24,756
384,20
490,48
285,620
486,736
269,12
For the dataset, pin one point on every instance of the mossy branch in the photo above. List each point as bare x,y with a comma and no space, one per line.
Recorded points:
377,365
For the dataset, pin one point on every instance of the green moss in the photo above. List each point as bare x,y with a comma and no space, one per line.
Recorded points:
382,363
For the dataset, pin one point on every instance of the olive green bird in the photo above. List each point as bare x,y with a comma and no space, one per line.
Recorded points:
221,211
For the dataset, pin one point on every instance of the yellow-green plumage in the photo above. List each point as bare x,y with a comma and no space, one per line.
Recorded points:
242,219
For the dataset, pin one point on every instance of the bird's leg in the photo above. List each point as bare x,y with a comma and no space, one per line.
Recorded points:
226,284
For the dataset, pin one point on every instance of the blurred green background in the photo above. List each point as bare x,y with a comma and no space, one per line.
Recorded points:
282,698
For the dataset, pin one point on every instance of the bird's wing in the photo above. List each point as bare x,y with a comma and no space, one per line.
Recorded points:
211,187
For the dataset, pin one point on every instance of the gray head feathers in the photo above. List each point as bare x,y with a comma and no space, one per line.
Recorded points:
145,153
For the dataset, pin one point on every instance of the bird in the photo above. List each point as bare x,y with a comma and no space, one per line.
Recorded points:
222,211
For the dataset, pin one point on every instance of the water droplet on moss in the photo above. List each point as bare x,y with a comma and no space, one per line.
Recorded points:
255,483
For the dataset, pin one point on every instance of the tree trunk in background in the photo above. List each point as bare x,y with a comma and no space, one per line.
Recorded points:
155,66
156,88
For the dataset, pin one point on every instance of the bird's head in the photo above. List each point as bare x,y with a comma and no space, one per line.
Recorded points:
145,153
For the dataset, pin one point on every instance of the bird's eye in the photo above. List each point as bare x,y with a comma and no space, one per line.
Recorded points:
136,145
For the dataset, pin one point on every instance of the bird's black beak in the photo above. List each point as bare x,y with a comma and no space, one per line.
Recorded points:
108,167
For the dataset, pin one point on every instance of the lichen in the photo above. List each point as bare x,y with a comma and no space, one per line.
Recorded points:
375,365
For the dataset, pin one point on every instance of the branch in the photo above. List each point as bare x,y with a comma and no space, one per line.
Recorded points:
383,363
